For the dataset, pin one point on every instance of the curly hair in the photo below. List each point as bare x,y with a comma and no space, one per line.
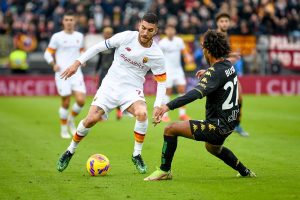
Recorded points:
216,43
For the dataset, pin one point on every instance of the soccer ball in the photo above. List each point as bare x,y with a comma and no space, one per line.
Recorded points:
98,165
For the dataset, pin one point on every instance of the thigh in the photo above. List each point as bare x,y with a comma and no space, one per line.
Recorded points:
79,97
204,131
181,89
179,129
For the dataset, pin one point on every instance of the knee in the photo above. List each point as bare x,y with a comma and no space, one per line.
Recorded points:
80,101
169,130
215,150
66,104
141,115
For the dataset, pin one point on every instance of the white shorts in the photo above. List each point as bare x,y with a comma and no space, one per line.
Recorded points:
110,97
74,83
175,79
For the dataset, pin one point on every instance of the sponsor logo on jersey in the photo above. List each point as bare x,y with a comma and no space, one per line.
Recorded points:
128,49
139,65
145,59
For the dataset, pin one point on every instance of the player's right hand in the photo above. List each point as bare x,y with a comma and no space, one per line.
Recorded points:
200,73
56,68
70,70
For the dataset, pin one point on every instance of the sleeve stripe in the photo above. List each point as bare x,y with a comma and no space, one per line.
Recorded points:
106,44
50,50
199,91
160,77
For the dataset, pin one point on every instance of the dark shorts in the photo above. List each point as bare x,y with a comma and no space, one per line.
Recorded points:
204,131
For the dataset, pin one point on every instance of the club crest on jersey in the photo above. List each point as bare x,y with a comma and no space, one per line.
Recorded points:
145,59
128,49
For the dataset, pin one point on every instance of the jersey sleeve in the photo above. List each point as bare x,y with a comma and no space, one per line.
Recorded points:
53,45
181,44
118,39
159,70
82,43
208,83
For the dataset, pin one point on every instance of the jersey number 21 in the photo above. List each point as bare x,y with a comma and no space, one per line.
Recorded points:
228,103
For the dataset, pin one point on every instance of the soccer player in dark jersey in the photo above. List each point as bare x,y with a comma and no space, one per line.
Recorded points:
219,86
223,23
105,60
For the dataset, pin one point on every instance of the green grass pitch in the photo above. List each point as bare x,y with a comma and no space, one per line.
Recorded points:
30,146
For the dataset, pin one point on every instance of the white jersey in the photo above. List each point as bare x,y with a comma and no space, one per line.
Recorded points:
66,48
132,61
172,51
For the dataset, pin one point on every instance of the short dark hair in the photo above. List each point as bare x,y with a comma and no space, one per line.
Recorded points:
69,13
216,43
222,15
150,18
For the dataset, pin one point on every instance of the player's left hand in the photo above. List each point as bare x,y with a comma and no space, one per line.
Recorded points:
70,70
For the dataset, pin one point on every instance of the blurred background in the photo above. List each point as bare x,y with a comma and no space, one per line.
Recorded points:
265,32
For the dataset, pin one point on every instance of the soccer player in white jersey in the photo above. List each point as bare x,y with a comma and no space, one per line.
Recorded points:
173,47
135,54
64,47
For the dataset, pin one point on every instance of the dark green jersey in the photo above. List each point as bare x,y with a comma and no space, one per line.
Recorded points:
219,85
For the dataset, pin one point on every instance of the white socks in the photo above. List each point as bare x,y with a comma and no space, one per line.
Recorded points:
63,115
140,130
75,111
80,134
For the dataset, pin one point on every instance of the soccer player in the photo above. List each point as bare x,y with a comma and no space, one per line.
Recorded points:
135,54
172,47
104,62
223,23
219,85
64,47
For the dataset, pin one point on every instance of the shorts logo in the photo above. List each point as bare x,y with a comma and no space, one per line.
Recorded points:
145,59
202,127
128,49
195,127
